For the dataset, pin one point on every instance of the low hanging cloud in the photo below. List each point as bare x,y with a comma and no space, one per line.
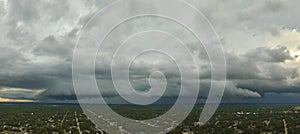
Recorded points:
20,93
234,92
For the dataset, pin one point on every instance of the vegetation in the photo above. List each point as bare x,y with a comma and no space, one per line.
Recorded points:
231,119
44,119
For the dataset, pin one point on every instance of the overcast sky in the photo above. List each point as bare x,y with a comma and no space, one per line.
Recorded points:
261,40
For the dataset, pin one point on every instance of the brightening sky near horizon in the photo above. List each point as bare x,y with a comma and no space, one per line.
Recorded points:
261,40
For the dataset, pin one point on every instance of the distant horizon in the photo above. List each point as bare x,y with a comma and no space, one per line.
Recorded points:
76,103
144,53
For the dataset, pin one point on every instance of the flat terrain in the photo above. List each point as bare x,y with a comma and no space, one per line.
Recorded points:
42,119
277,119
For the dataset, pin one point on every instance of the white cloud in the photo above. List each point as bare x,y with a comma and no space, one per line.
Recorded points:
20,93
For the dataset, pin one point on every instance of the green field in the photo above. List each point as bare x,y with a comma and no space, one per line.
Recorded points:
228,119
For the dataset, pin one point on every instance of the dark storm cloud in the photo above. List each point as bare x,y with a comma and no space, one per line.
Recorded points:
38,38
58,97
265,86
30,81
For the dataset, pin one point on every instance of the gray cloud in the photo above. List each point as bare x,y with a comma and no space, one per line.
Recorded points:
38,38
233,92
278,54
262,8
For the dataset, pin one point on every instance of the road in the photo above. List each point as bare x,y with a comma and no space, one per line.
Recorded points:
285,126
77,122
62,121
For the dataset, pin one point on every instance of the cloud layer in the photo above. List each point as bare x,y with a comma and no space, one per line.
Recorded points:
261,41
